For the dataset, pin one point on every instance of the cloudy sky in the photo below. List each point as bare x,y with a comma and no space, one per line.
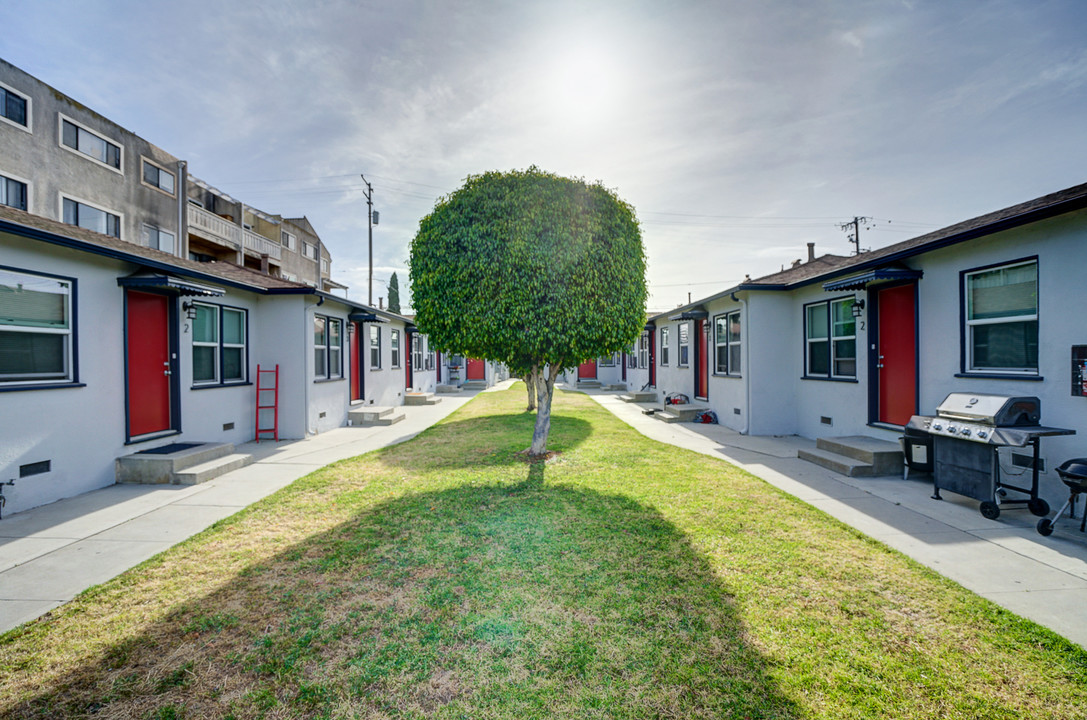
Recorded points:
740,131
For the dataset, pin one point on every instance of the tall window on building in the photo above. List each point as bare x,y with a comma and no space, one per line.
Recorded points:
684,344
830,333
664,346
726,343
13,193
1001,318
220,348
36,328
394,347
417,351
158,177
643,350
14,107
327,347
89,143
91,218
375,347
157,238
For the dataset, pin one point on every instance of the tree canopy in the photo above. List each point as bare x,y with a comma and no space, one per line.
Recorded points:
394,294
530,269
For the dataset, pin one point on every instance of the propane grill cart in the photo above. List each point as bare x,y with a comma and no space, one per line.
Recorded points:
968,431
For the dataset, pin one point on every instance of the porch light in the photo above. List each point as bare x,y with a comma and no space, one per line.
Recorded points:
858,308
190,309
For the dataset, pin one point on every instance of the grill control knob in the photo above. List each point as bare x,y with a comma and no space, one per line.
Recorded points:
937,426
951,429
982,434
965,432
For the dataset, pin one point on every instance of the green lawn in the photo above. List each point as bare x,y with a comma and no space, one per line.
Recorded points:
447,578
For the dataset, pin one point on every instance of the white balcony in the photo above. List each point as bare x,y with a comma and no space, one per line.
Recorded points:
212,227
262,245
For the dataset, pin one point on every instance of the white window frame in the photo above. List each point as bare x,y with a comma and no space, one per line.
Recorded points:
288,239
29,188
144,160
606,361
330,352
832,340
429,363
643,350
683,358
219,344
664,347
728,344
216,378
243,345
29,127
417,352
375,347
394,348
145,238
61,118
309,250
68,374
94,206
968,325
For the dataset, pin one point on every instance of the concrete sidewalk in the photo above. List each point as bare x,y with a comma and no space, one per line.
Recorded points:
50,554
1006,561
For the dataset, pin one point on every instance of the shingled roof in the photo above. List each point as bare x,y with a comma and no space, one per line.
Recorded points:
827,267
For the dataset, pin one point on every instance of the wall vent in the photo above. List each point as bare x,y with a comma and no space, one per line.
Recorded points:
321,415
36,468
825,420
735,411
228,426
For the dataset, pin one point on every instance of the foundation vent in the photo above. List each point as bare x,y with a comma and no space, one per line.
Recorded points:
826,421
36,468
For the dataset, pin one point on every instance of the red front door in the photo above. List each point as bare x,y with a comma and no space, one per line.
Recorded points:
896,359
652,358
356,362
409,348
147,355
587,370
701,360
477,370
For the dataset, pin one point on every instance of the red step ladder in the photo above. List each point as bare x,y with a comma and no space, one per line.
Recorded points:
263,377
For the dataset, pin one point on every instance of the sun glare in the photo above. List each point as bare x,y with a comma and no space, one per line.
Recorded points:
586,86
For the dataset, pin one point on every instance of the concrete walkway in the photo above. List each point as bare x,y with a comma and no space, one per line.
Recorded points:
50,554
1006,561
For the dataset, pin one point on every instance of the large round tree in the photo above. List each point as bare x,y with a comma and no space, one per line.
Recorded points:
533,270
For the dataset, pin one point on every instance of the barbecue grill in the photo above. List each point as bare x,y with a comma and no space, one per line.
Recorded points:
967,433
1074,475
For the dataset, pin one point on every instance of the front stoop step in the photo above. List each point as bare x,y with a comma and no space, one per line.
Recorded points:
639,397
856,456
474,385
212,469
588,384
616,386
421,398
196,464
678,413
370,416
445,389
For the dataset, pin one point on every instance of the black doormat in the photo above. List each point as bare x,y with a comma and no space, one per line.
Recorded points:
167,449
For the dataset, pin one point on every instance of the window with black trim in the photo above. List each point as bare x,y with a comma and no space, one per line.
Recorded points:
87,142
37,336
830,335
91,217
157,238
375,347
327,347
14,107
606,361
1001,318
664,346
684,344
416,351
394,348
643,350
157,177
219,347
726,343
13,193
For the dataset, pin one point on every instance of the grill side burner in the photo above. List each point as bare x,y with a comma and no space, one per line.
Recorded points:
967,432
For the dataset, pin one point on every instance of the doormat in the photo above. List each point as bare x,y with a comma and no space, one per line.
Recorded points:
167,449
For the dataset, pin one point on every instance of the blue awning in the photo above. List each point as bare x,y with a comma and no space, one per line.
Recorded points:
157,281
366,317
859,282
695,313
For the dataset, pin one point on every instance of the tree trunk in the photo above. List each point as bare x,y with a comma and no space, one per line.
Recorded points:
545,390
530,386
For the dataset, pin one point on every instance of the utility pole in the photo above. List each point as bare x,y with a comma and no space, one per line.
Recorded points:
370,229
855,236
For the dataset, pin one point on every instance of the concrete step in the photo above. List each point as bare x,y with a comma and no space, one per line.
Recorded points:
838,463
372,415
474,385
616,386
588,384
212,469
444,389
884,456
414,398
639,397
154,467
678,413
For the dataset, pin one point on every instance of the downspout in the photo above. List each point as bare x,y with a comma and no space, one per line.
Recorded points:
307,332
746,354
182,205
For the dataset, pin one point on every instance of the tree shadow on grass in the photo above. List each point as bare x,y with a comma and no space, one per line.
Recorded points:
500,600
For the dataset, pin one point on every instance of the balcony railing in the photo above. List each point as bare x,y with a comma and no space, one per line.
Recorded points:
262,245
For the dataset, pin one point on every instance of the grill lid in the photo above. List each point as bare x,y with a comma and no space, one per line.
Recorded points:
996,410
